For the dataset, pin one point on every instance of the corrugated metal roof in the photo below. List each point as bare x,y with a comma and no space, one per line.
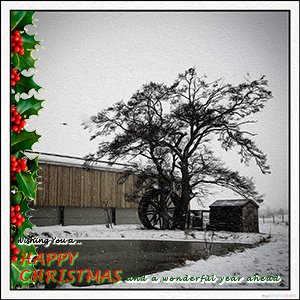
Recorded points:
232,202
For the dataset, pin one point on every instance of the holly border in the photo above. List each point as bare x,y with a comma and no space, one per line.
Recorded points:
23,170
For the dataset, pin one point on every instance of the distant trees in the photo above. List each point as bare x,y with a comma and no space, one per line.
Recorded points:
172,128
281,211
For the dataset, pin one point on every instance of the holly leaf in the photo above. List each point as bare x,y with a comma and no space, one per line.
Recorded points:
19,154
23,62
17,198
23,140
29,41
26,224
26,248
28,107
25,84
32,165
27,19
16,272
16,18
26,184
13,99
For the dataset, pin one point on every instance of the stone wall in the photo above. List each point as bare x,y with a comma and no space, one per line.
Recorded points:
49,216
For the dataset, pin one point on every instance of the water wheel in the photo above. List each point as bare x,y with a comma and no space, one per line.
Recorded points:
157,209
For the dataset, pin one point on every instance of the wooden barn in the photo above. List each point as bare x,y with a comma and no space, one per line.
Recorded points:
71,194
238,215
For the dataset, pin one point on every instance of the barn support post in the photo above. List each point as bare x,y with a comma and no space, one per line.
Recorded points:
113,215
61,215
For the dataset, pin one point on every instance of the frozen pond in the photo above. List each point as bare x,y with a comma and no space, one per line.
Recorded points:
140,257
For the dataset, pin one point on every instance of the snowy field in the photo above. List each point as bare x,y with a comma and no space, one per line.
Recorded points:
267,259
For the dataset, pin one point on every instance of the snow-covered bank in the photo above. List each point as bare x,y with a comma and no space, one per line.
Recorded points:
136,232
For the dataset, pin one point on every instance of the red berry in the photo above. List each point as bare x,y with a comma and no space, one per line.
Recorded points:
17,208
20,43
12,108
16,251
13,246
18,77
23,123
18,215
15,113
15,128
21,52
17,48
12,208
19,117
14,258
13,83
11,239
12,214
18,223
13,220
15,71
14,178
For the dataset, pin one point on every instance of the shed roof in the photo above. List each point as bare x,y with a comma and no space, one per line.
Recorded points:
233,202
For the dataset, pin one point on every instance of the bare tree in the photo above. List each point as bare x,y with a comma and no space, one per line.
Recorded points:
172,129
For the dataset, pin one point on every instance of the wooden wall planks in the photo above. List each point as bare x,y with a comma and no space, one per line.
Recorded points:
63,185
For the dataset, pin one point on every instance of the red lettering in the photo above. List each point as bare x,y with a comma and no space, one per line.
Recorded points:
38,273
50,275
61,275
22,278
90,276
117,275
106,275
71,276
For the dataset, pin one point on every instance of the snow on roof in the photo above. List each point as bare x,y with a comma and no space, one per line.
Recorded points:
73,161
232,202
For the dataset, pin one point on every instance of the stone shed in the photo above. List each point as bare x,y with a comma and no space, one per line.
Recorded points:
238,215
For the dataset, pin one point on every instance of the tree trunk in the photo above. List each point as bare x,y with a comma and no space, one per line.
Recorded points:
183,213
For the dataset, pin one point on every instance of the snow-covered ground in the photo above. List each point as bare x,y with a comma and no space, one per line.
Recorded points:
264,260
137,232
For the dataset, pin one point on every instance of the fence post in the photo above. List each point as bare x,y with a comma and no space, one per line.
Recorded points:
273,218
263,219
282,218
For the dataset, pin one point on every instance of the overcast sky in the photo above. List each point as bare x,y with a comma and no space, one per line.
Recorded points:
91,60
